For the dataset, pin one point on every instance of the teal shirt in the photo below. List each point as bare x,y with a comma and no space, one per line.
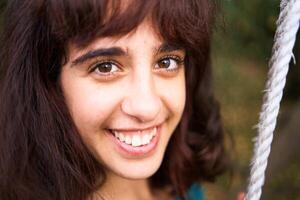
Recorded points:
195,192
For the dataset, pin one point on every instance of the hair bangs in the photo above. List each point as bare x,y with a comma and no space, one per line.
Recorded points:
180,21
81,22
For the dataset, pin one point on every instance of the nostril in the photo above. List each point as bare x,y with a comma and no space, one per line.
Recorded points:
144,109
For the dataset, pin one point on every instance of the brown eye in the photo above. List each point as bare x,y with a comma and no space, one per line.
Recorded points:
164,63
105,68
168,64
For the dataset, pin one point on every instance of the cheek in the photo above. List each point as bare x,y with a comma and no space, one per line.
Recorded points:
90,105
174,95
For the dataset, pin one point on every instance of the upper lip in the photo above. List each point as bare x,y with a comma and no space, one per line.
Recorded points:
135,129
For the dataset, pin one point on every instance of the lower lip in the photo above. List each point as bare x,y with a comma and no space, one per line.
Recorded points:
136,151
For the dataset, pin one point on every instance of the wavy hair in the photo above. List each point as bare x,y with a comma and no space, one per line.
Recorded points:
42,155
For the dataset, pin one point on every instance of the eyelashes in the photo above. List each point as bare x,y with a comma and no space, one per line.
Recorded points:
108,69
105,68
169,63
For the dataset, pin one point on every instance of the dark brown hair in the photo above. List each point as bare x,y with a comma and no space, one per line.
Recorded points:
41,153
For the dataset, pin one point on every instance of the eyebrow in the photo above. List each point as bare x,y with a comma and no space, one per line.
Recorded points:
113,51
167,47
117,51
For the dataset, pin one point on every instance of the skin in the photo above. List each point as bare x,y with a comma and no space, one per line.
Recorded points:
141,87
138,94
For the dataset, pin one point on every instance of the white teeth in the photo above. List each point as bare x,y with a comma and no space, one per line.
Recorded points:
121,137
127,139
142,138
136,141
146,139
150,133
116,134
154,131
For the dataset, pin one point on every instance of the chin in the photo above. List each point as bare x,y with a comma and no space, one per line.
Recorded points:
139,169
142,173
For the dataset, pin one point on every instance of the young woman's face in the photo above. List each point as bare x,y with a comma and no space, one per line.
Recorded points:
126,96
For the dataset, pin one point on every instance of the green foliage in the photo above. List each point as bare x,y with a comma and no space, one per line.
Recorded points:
241,50
249,27
285,185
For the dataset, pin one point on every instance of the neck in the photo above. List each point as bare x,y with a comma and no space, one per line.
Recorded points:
117,187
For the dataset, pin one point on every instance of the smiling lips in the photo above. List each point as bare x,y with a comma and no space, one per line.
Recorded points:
135,138
136,142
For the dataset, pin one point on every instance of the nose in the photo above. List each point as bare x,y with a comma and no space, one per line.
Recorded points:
142,102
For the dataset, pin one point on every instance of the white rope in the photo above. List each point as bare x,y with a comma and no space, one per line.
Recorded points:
285,37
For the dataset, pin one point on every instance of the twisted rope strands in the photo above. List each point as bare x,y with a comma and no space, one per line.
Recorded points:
285,37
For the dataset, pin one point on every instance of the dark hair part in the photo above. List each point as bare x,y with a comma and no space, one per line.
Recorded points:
41,153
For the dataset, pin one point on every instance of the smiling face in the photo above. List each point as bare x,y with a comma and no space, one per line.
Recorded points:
126,97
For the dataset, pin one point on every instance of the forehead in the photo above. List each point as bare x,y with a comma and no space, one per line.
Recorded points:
141,38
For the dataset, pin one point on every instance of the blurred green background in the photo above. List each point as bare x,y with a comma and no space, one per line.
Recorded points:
242,46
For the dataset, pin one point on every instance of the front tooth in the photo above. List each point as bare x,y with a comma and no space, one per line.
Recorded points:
136,141
127,139
121,137
146,139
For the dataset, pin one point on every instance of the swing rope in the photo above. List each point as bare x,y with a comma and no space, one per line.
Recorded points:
285,37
